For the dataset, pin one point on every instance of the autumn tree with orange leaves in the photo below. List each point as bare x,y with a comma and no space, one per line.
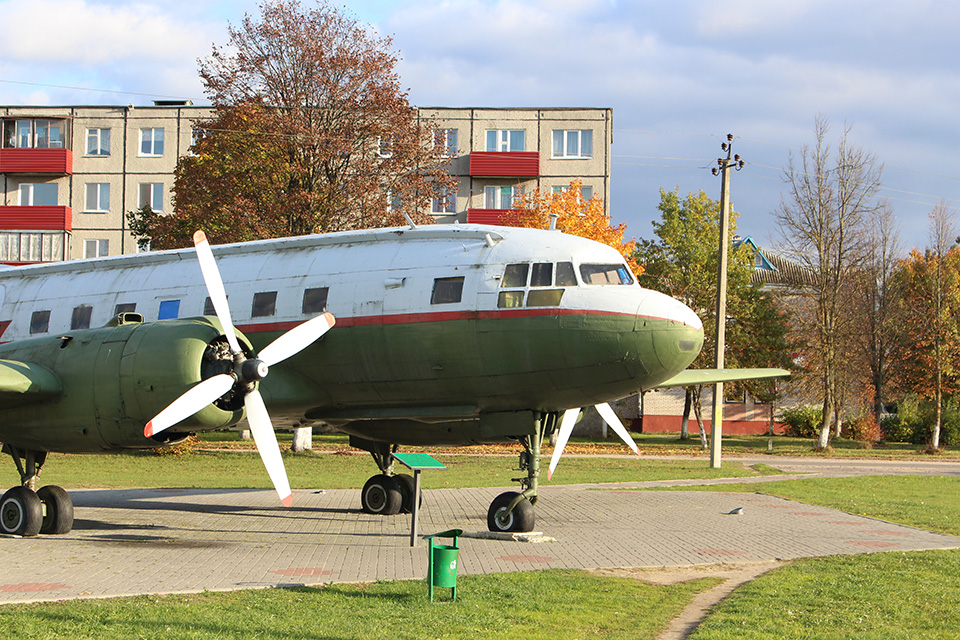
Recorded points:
576,216
310,132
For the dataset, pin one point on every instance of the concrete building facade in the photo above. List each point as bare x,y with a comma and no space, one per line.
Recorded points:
69,174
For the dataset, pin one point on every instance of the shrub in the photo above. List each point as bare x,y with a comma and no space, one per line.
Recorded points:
864,428
802,422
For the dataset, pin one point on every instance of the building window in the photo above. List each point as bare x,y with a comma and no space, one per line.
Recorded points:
98,197
31,247
33,134
98,142
385,146
446,202
315,300
446,141
264,304
447,290
151,194
40,322
501,197
151,142
506,140
169,309
96,248
81,317
577,143
586,191
38,194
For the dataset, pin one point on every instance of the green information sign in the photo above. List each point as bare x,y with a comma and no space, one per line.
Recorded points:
418,461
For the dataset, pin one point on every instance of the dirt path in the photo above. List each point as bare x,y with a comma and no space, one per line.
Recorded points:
684,624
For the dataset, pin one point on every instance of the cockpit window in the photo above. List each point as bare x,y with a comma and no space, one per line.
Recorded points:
605,274
566,276
542,274
515,275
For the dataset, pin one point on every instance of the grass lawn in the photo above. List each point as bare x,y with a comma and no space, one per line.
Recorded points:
243,469
553,605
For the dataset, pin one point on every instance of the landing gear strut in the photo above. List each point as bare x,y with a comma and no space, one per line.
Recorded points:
24,511
512,511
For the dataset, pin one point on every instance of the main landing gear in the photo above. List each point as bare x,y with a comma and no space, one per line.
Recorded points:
25,511
387,493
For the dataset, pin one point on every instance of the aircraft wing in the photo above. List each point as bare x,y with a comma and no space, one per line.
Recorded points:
692,377
23,382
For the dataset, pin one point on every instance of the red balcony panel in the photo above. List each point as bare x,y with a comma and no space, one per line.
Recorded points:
504,164
502,217
14,217
56,161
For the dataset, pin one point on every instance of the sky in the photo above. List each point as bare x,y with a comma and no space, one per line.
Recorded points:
679,77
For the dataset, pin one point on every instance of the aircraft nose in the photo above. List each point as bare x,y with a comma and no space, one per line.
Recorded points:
677,331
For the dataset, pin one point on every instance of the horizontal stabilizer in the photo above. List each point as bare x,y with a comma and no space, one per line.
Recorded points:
692,377
23,382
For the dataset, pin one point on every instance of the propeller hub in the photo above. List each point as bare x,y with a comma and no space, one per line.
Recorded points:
253,370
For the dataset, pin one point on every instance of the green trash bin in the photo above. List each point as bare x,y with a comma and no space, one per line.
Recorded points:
442,561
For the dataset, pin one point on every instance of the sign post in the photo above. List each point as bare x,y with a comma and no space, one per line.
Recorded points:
416,462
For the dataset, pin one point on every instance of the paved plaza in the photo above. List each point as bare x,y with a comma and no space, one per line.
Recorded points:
144,541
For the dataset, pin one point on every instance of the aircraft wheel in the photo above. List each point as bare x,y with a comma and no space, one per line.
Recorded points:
57,510
407,489
381,495
520,519
21,512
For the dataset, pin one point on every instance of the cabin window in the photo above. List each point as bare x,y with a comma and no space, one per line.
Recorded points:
566,276
264,304
124,307
169,309
208,309
315,300
542,275
40,322
515,275
447,290
605,274
510,299
81,317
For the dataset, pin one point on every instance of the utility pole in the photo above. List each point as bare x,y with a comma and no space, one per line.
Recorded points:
723,169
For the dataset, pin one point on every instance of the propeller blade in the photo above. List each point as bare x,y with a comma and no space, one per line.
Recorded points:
195,399
218,296
611,419
296,339
566,428
266,439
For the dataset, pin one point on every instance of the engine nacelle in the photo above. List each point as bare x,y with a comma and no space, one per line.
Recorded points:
115,379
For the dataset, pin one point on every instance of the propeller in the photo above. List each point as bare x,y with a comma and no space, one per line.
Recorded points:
566,428
246,372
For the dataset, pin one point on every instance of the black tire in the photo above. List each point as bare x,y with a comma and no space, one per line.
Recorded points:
381,495
407,489
57,510
520,519
21,512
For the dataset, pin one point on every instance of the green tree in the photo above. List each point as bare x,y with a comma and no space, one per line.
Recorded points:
310,133
682,263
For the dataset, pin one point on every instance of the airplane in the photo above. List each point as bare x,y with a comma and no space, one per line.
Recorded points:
442,335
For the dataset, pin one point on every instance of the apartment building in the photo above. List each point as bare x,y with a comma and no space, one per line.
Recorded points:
69,174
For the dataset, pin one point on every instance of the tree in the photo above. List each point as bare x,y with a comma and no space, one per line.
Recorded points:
310,133
683,264
576,216
822,221
929,348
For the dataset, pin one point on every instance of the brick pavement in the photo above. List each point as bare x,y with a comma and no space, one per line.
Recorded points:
169,541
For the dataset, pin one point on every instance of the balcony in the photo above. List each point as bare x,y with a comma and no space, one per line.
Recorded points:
501,217
504,164
36,218
52,161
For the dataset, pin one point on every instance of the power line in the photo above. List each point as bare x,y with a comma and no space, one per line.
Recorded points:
60,86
